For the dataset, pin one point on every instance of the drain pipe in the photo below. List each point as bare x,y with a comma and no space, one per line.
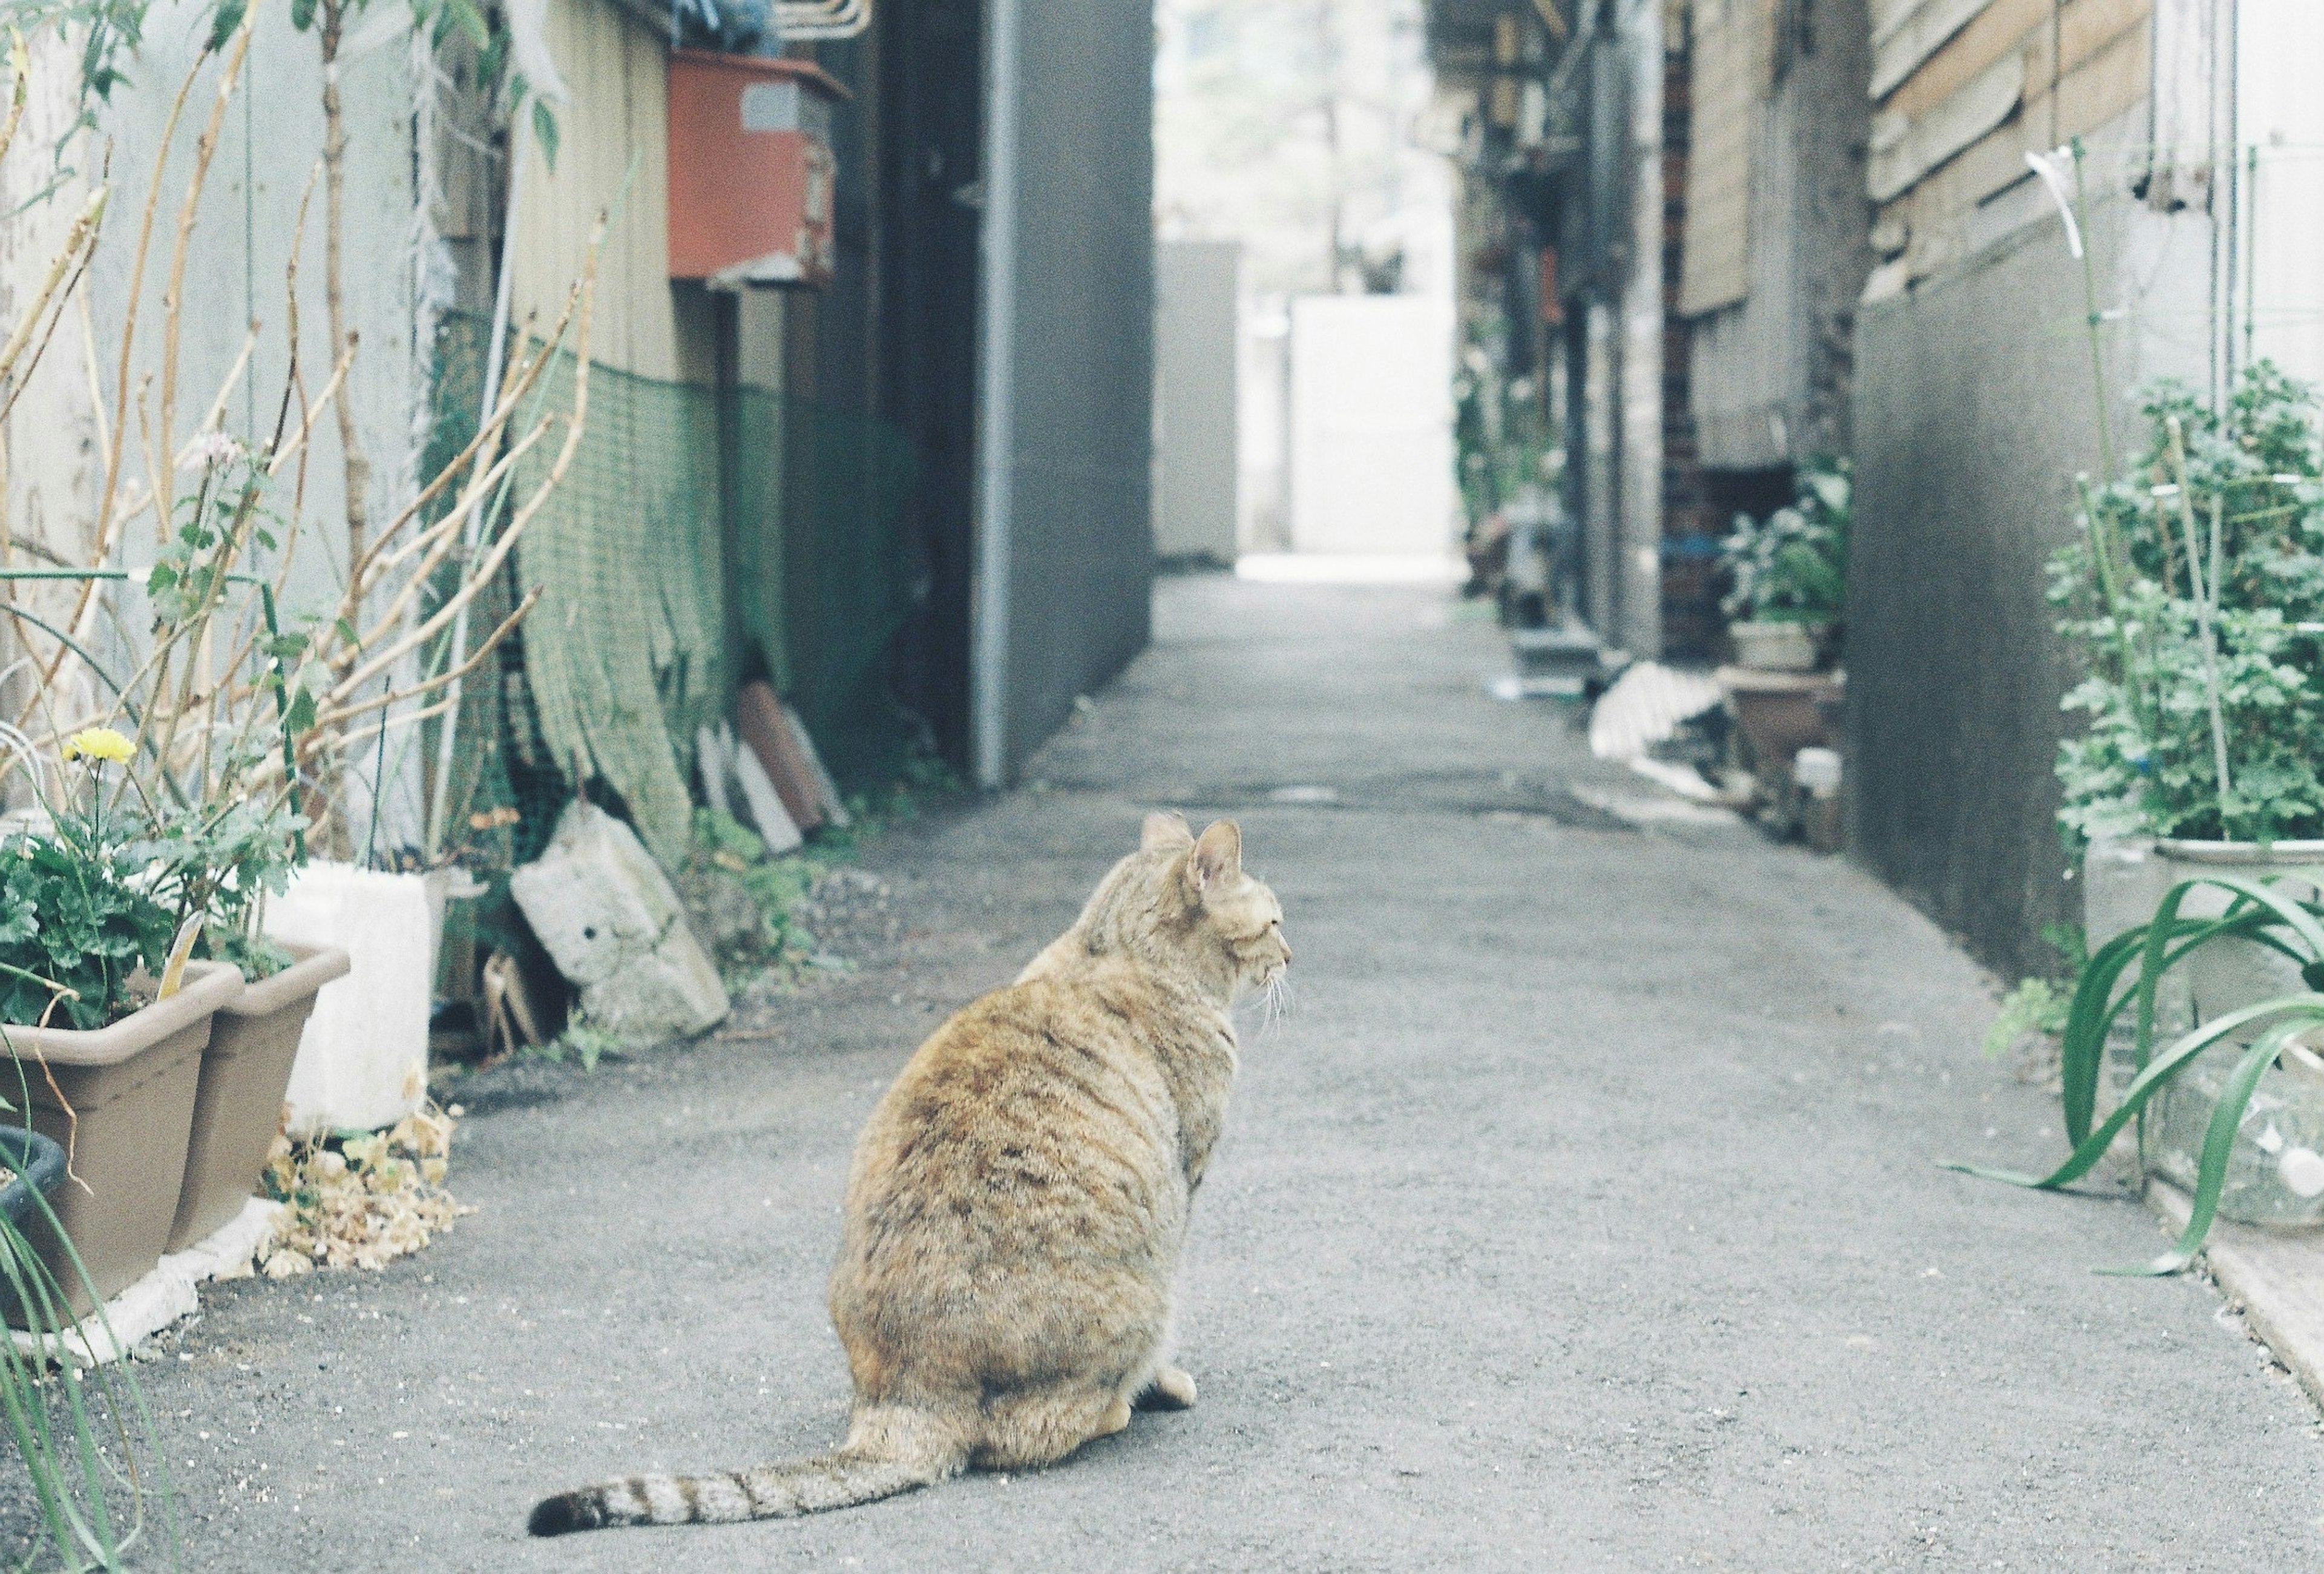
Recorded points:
996,416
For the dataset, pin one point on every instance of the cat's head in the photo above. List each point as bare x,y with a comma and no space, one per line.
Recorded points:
1201,910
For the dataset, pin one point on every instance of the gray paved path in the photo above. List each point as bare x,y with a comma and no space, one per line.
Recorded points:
1582,1216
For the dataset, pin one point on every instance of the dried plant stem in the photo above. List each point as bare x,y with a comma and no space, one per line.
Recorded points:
520,385
78,239
128,337
20,69
215,417
205,150
479,574
331,16
2206,600
506,626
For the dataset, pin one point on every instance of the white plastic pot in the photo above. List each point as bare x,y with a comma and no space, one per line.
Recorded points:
363,1060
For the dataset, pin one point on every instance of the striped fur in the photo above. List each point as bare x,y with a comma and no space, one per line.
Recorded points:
842,1478
1018,1201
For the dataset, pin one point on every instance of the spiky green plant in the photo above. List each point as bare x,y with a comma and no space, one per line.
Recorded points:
82,1430
2258,912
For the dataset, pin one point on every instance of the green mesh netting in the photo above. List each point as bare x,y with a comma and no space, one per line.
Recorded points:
699,538
625,654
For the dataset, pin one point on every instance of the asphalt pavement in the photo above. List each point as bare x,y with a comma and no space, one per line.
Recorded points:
1584,1213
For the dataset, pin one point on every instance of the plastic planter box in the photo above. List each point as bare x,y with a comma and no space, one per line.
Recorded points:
130,1088
245,1070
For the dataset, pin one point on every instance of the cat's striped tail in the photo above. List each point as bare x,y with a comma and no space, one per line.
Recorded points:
852,1474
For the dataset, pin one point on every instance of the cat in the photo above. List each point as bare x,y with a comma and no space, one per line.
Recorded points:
1017,1201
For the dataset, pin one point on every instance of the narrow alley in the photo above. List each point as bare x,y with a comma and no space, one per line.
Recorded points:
1584,1213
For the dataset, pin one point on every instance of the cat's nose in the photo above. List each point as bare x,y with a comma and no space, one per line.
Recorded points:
1286,950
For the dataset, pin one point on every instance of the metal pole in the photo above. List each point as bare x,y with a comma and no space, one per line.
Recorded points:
996,423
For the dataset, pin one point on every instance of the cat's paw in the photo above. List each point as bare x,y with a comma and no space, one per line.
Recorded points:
1173,1388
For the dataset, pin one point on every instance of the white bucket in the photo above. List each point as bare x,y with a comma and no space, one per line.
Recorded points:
363,1061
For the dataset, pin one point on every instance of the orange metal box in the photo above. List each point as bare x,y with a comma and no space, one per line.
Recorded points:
750,169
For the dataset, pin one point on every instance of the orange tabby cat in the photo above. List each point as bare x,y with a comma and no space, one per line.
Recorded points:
1018,1202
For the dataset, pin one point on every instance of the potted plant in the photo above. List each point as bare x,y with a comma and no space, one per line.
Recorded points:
105,1020
67,1445
1790,573
2194,594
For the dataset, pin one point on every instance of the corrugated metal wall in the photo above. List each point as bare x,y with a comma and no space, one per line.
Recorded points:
1081,354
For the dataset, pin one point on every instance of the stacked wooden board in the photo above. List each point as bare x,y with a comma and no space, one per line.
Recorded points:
1963,90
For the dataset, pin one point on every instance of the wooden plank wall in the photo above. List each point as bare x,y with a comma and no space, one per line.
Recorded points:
615,69
1733,53
1963,90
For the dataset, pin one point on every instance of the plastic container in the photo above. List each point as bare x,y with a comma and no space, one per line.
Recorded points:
130,1092
238,1106
363,1058
2275,1171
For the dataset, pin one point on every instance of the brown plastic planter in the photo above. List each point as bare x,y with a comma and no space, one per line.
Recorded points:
131,1088
1782,713
245,1070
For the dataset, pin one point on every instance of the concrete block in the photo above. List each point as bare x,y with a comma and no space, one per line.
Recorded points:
613,923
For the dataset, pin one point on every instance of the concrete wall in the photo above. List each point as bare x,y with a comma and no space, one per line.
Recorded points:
1974,408
1371,425
271,135
1076,501
1197,287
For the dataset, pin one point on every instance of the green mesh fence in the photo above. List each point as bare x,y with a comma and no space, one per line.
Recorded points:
697,539
824,568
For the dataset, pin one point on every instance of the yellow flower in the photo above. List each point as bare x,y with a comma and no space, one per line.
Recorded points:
99,743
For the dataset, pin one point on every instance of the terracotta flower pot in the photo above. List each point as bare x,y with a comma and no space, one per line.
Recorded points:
130,1092
245,1070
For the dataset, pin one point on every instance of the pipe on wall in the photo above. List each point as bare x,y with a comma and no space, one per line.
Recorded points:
996,434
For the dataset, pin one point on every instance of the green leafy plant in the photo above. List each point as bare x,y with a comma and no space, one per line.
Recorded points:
2035,1007
762,929
2040,1005
1792,566
2194,595
76,920
2258,912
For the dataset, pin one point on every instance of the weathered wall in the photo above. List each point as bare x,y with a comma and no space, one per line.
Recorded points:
612,154
1771,350
1974,410
271,136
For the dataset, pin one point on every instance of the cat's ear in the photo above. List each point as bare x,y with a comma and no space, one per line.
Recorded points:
1165,827
1218,854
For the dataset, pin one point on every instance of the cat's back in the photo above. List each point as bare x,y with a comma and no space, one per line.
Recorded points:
1037,1095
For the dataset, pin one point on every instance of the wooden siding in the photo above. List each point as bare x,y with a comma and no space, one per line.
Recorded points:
1734,50
614,67
2017,76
